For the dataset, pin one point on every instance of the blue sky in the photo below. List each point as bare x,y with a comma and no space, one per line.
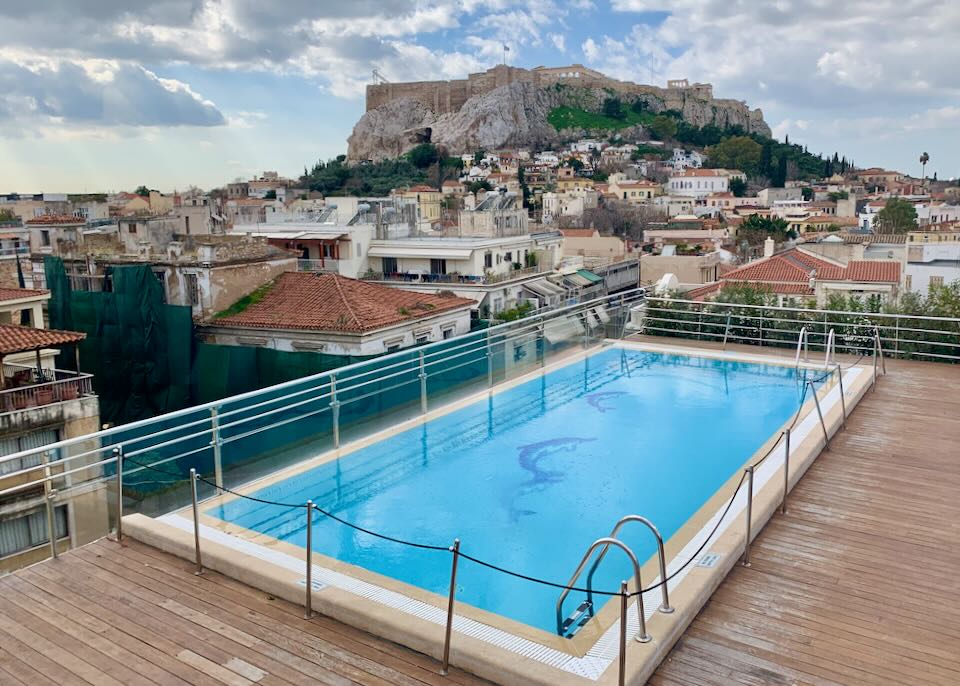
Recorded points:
108,94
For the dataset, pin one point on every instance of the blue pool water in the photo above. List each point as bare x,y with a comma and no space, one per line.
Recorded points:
528,478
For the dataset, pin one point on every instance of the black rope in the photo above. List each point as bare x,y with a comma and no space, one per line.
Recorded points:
536,580
422,546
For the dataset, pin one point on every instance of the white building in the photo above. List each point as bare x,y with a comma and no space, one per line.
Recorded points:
699,183
330,314
686,159
933,259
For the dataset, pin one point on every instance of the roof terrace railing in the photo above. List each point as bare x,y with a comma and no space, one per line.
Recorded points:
197,436
917,337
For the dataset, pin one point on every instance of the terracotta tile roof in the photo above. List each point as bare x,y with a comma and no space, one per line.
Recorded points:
883,271
21,339
577,233
796,267
53,219
699,293
17,293
330,302
421,188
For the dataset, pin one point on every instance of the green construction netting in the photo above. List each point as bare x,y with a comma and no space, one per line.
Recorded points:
137,347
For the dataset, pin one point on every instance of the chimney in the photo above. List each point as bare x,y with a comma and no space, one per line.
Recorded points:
769,246
813,280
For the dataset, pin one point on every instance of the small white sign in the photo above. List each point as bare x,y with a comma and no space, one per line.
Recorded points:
314,584
709,560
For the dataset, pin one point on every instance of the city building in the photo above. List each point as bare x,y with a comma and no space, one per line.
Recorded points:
335,315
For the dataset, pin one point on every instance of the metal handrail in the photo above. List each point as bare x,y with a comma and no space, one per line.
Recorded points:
831,349
503,333
642,636
803,339
878,350
726,330
665,605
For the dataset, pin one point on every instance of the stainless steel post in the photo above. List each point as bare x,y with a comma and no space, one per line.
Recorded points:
217,445
843,400
118,454
335,410
786,474
624,602
423,386
746,546
489,361
196,520
51,521
543,346
455,549
308,602
816,400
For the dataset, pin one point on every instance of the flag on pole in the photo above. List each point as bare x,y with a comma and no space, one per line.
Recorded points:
506,48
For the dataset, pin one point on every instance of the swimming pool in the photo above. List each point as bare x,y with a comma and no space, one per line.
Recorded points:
528,477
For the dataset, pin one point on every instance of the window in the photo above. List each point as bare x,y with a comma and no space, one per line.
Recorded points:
508,257
422,339
44,238
186,224
908,282
193,289
488,260
392,347
390,265
30,530
131,228
438,266
35,439
447,332
936,281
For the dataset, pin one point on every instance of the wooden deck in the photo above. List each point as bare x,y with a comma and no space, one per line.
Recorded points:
859,583
106,615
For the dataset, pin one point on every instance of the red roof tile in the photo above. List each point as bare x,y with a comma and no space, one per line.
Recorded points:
577,233
17,293
796,267
873,270
699,293
330,302
21,339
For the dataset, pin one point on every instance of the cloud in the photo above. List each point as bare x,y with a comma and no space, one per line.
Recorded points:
559,41
98,93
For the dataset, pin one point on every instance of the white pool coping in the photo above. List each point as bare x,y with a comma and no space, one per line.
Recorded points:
604,651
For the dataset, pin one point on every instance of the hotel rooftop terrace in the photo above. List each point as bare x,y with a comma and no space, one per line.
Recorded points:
855,583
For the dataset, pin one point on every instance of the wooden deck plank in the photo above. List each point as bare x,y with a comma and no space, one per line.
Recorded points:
857,583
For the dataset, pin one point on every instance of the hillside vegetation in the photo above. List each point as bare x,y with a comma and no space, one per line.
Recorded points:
574,118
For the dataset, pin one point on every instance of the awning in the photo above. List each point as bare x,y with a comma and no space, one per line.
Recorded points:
577,281
544,288
589,275
438,253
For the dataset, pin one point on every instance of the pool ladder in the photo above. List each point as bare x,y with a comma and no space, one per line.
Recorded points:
569,626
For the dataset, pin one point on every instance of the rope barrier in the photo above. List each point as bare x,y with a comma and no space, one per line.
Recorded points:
503,570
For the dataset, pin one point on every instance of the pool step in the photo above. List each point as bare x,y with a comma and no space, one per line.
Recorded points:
572,624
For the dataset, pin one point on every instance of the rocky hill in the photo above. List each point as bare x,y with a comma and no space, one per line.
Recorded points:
509,107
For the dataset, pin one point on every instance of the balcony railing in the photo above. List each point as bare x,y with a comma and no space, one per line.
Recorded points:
324,265
44,387
465,279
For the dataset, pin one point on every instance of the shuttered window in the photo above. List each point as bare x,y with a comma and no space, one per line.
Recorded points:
35,439
30,530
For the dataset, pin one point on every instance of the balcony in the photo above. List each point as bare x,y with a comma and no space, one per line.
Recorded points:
29,387
460,279
325,265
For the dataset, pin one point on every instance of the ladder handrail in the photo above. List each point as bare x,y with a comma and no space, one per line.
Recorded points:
606,541
726,331
804,339
665,606
878,350
831,349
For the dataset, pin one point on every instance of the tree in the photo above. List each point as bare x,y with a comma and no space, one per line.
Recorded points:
575,163
738,187
481,185
924,158
663,127
613,108
142,191
756,229
807,193
424,155
478,156
737,152
898,216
